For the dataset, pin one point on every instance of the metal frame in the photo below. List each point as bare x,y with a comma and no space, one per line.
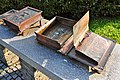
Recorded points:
21,27
64,47
81,34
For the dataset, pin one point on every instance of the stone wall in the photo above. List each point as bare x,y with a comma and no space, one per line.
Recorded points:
30,73
14,63
1,53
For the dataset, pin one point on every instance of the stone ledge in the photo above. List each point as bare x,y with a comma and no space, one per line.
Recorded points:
57,66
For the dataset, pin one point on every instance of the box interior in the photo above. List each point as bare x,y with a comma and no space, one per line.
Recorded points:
59,31
94,46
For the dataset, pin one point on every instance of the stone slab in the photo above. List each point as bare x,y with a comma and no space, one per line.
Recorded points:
53,64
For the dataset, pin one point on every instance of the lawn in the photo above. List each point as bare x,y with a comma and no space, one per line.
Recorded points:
106,27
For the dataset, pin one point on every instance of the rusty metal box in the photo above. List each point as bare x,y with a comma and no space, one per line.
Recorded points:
57,34
87,47
6,14
90,48
23,19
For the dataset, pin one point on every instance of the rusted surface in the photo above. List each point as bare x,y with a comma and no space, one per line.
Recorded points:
10,12
94,46
4,15
57,33
80,29
23,19
67,47
94,51
90,48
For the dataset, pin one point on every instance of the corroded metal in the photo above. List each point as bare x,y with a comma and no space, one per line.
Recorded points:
87,47
57,34
80,29
6,14
23,19
90,48
93,51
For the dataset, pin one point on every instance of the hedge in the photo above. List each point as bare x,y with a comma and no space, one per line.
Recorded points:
68,8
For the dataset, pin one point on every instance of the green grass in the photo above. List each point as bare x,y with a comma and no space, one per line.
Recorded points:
109,28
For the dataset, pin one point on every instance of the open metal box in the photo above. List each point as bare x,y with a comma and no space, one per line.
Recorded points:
57,34
90,48
6,14
87,47
23,19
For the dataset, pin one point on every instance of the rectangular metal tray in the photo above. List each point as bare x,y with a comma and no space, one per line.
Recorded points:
6,14
23,19
93,51
90,48
57,34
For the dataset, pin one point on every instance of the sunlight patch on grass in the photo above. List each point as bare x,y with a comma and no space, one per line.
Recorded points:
109,28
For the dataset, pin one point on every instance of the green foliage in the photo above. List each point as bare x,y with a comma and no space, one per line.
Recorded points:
106,27
67,8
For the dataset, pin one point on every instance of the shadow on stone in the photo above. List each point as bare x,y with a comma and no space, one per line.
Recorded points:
58,63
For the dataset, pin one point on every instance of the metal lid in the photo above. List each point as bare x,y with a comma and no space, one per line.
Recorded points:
80,29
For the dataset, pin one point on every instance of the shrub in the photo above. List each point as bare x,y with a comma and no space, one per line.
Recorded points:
106,27
67,8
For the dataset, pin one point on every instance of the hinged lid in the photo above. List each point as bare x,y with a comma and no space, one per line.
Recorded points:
80,29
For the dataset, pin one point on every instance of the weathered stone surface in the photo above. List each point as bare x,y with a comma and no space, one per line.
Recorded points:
1,53
30,73
27,70
112,68
2,47
56,66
